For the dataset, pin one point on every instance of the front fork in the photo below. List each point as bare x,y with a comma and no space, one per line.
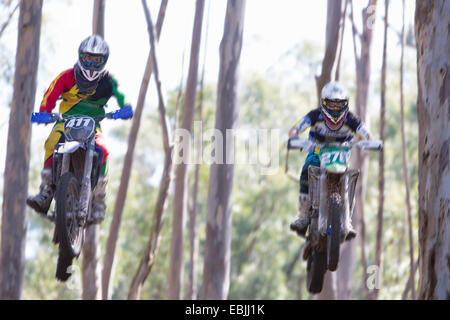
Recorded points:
321,185
85,192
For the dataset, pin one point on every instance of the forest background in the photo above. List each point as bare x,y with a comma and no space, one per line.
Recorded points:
282,51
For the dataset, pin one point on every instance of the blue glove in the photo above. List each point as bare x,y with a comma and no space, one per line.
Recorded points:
41,117
124,113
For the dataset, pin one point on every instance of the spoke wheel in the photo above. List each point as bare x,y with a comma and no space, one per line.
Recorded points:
70,233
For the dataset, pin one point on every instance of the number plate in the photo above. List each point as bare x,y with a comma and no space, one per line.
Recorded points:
79,128
335,159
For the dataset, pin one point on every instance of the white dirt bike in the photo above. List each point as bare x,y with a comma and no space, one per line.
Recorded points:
331,190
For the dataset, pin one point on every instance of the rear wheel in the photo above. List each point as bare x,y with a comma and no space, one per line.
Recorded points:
63,265
334,231
315,271
70,234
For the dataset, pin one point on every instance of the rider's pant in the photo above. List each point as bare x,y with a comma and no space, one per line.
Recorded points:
311,160
57,136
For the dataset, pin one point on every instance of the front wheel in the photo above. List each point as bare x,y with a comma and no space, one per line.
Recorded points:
70,234
334,231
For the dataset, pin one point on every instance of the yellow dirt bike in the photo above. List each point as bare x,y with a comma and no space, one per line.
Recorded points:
76,168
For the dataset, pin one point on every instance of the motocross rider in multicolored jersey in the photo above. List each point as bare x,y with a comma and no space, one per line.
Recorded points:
331,122
85,89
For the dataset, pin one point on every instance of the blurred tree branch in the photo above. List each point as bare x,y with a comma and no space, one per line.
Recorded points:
151,251
8,20
126,171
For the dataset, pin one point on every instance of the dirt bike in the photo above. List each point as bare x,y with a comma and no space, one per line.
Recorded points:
331,190
77,163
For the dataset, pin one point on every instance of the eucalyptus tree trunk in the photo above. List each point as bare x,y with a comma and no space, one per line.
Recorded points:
90,274
216,267
191,291
432,19
193,239
332,36
180,195
408,286
329,287
151,250
330,61
405,161
98,18
341,41
14,220
379,239
360,161
127,165
193,212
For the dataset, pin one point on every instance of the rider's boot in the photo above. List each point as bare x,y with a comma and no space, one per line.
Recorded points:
98,200
41,202
301,224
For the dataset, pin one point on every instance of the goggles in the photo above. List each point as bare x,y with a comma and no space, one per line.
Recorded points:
89,60
335,105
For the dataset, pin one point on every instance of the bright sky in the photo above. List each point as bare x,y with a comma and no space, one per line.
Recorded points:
271,28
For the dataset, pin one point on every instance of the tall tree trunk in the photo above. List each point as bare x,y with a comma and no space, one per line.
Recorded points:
405,161
127,165
14,221
432,19
216,267
98,18
161,202
180,195
193,239
332,36
379,240
90,275
193,212
410,281
329,287
341,41
344,274
362,61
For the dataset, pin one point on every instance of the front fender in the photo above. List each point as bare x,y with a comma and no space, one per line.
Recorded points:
70,147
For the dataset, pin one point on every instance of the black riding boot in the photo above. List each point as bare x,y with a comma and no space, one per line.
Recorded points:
41,202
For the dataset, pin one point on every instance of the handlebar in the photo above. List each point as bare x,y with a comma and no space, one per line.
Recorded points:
297,143
123,113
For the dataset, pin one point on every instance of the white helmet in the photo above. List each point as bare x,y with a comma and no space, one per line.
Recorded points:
93,53
334,105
